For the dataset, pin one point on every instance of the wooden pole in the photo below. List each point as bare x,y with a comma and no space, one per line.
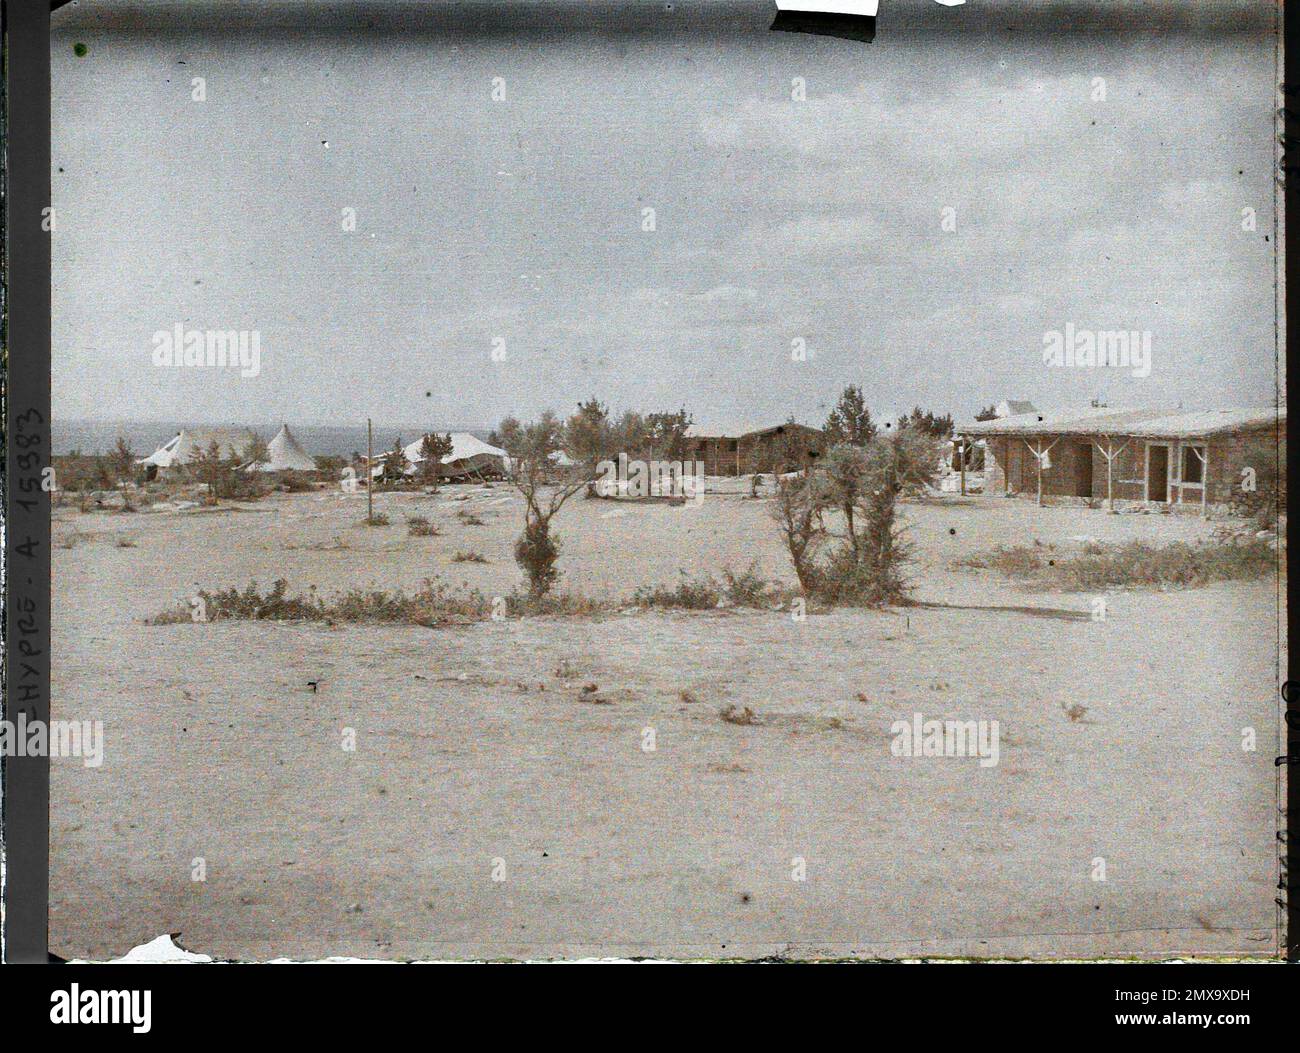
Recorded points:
1039,453
370,472
1205,483
962,440
1204,458
1110,487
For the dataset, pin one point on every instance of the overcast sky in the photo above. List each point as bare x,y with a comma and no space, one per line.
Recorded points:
776,219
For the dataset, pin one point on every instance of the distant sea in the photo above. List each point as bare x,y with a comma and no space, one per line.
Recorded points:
321,440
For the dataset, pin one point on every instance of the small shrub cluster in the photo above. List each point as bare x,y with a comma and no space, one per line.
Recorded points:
434,604
746,589
419,526
1134,564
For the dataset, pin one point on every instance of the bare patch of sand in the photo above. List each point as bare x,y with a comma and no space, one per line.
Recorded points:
480,744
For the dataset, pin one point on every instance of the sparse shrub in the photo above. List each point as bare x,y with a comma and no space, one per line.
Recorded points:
536,552
468,557
378,519
125,542
1135,564
1020,561
249,604
736,715
570,604
750,589
695,594
296,482
246,486
434,604
419,526
745,589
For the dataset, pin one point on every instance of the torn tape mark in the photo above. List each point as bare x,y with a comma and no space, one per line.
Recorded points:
847,19
161,951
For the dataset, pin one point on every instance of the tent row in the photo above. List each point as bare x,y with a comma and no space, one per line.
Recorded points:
469,455
283,452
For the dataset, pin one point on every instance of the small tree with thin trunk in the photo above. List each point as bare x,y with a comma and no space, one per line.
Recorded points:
211,467
546,484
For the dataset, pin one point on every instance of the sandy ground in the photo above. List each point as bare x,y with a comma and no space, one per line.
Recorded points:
478,754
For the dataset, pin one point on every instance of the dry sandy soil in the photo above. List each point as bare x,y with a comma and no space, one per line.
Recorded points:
476,748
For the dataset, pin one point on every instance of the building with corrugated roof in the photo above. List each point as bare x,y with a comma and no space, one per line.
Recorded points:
1177,459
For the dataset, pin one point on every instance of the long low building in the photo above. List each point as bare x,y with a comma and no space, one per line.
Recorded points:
741,449
1188,460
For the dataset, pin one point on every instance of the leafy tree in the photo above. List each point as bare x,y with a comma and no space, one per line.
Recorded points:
122,460
590,438
631,435
395,464
433,448
925,421
667,434
256,452
209,466
850,421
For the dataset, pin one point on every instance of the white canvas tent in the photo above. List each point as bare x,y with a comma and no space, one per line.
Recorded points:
186,446
468,455
284,455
